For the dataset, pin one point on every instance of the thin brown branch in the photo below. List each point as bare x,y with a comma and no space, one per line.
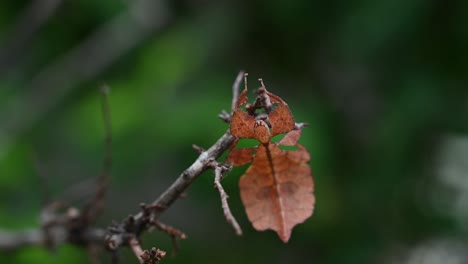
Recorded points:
224,115
106,118
170,230
49,219
220,169
300,126
95,206
93,253
235,89
118,235
13,240
200,165
173,232
73,230
136,248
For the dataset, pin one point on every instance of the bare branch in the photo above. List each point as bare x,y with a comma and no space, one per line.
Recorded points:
93,253
220,169
190,174
106,116
95,206
142,221
198,149
173,232
224,115
13,240
115,257
235,89
136,248
300,126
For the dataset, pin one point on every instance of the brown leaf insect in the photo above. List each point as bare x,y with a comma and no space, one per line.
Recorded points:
277,188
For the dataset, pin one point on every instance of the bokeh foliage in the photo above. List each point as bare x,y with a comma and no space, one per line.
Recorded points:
383,85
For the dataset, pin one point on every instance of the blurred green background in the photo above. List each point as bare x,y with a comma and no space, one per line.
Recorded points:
383,85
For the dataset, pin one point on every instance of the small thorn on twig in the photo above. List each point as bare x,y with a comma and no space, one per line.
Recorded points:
261,82
198,149
225,116
95,206
299,126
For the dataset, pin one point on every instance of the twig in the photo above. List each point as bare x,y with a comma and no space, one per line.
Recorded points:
13,240
198,149
93,253
49,219
300,126
220,169
224,115
118,235
152,256
173,232
121,234
106,116
95,206
136,248
235,89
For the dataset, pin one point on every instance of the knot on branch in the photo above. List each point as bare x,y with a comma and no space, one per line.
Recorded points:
60,223
152,256
122,234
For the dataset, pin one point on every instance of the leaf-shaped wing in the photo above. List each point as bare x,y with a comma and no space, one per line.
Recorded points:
277,190
242,124
239,157
281,119
291,138
242,98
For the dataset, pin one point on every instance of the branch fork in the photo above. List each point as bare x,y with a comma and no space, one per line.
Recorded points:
219,170
76,227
